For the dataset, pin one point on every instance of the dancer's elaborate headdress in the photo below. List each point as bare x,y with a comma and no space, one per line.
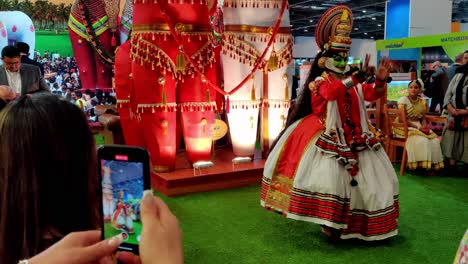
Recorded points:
333,29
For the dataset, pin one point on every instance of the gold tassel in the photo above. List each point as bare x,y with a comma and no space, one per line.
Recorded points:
252,94
207,93
164,124
162,82
208,98
273,60
286,87
251,119
180,60
203,123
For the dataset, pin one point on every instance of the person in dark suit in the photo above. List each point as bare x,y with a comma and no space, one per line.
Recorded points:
24,52
439,86
21,78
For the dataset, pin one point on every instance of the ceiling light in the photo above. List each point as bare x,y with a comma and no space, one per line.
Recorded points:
372,37
364,11
356,28
305,30
313,7
311,20
379,25
365,33
374,18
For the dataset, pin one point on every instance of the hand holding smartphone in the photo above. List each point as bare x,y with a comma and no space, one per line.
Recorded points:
124,175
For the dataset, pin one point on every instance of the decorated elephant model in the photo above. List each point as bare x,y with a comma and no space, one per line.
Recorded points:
125,92
172,60
251,28
16,26
93,32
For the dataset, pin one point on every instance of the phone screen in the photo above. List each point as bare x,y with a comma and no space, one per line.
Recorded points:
122,191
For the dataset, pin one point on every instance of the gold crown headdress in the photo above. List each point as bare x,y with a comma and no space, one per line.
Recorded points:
333,29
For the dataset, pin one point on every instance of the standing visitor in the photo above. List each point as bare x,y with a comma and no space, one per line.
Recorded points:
455,134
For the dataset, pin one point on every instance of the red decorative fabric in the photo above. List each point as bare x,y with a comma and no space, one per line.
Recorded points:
124,92
155,57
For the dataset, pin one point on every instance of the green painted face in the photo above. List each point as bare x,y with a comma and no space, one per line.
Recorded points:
340,60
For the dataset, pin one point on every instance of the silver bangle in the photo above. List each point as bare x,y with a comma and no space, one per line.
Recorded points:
348,82
24,261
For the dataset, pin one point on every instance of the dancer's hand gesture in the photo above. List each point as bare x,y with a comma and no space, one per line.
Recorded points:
383,72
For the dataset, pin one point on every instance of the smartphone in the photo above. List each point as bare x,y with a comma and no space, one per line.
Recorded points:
124,174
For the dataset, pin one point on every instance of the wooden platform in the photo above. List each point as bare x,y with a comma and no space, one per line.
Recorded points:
223,175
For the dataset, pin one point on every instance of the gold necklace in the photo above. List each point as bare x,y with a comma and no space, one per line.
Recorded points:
413,101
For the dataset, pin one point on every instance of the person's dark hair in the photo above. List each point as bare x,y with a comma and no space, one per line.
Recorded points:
418,82
78,94
22,47
48,175
99,95
10,52
303,105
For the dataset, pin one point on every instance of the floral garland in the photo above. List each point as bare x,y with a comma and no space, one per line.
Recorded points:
96,44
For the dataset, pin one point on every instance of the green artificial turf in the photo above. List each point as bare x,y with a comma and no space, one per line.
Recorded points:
230,226
51,41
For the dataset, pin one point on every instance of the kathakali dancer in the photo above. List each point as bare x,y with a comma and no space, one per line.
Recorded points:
93,28
166,82
248,27
328,166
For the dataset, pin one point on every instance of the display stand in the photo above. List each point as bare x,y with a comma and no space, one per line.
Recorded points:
223,175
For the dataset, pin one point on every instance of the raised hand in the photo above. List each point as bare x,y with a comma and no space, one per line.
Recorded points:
383,72
79,248
365,67
161,236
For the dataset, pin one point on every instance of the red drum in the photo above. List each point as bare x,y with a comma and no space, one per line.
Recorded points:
159,129
197,103
155,96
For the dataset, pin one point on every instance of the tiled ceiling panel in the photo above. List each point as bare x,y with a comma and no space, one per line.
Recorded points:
369,16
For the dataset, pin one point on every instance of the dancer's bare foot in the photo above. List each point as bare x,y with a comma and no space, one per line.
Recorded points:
331,233
326,231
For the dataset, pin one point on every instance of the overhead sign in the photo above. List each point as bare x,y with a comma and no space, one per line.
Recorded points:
425,41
